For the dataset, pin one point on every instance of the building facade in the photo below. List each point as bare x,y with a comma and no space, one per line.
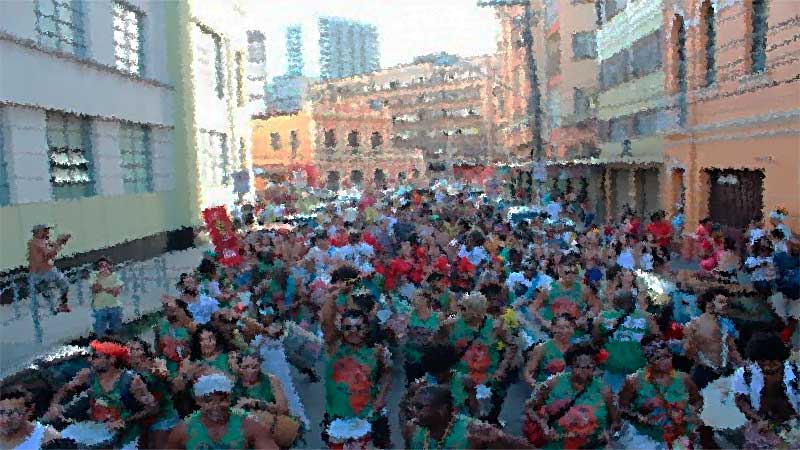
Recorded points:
734,151
87,126
347,48
632,105
281,144
256,72
438,108
212,44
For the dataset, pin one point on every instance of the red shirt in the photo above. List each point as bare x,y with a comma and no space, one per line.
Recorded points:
662,231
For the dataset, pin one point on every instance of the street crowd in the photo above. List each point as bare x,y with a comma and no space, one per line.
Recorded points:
639,333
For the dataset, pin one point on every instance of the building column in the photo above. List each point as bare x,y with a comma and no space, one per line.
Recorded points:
608,193
26,153
633,176
106,157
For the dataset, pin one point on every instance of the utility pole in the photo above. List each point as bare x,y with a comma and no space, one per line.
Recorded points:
533,109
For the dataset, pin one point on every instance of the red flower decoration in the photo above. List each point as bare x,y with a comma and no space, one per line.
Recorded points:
601,356
478,361
356,377
555,366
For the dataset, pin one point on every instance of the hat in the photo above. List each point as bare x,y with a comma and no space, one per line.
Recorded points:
40,227
208,384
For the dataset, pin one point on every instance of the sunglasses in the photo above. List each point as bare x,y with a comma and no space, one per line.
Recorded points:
352,327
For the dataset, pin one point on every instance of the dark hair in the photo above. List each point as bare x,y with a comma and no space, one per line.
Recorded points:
705,220
777,233
222,343
709,295
564,316
439,394
344,273
15,392
148,350
101,259
578,351
439,358
353,313
766,346
181,279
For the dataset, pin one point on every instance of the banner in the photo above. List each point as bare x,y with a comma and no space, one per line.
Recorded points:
223,235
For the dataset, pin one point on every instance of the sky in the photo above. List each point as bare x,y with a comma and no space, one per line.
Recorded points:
406,28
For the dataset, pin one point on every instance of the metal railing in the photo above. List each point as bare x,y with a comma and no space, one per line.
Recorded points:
136,276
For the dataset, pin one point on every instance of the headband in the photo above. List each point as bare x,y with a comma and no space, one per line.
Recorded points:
110,349
208,384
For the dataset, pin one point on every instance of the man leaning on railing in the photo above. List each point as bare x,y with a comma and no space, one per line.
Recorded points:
41,252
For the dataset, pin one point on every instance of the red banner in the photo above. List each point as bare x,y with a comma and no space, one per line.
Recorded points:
223,235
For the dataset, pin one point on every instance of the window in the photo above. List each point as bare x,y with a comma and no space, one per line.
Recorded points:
240,78
242,152
294,141
646,123
614,70
758,50
581,105
553,51
352,139
136,158
330,138
584,45
127,38
614,7
275,141
646,55
59,24
214,153
4,185
710,32
618,129
68,152
376,140
209,60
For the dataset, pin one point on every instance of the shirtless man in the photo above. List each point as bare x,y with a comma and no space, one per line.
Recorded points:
41,252
708,342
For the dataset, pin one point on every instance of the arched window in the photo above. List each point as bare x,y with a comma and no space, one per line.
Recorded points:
758,50
710,37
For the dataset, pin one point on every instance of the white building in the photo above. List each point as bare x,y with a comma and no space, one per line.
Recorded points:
256,72
217,108
86,123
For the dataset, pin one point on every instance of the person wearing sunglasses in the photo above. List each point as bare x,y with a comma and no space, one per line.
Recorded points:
17,430
358,377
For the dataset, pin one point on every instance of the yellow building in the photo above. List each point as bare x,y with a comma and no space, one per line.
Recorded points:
280,144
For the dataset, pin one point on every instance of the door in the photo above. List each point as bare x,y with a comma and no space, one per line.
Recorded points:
736,196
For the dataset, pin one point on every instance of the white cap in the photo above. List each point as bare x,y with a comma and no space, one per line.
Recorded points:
208,384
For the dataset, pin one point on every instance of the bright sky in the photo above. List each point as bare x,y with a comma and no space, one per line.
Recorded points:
406,28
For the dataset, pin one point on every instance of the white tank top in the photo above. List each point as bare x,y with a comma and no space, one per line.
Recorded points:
34,441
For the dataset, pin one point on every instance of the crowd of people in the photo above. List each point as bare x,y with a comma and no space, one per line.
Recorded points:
630,334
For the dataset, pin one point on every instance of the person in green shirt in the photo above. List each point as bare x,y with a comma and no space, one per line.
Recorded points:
423,324
566,295
661,403
155,375
216,425
572,409
547,358
620,330
106,305
357,378
436,425
211,352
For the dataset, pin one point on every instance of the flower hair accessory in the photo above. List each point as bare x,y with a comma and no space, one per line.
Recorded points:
601,356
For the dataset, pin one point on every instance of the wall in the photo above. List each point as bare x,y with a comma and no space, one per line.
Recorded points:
34,79
743,120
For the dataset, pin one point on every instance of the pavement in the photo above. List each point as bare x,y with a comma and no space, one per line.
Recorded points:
18,335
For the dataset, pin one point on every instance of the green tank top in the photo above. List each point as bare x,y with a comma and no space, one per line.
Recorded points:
413,350
456,438
109,404
483,355
650,400
563,300
200,440
590,403
259,391
161,391
624,347
218,364
351,382
552,361
174,343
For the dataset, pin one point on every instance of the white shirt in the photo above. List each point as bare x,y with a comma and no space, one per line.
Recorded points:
740,386
553,209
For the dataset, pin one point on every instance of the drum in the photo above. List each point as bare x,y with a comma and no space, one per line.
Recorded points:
91,435
349,434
